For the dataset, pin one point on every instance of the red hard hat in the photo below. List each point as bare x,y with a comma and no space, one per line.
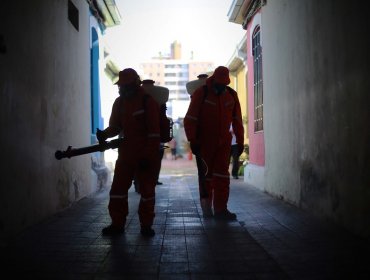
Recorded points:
127,76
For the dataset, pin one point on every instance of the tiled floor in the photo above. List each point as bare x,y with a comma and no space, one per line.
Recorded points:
270,240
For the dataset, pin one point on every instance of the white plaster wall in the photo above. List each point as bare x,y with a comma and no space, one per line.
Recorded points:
254,175
316,107
45,106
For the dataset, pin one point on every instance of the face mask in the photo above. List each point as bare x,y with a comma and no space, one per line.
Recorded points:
219,88
127,91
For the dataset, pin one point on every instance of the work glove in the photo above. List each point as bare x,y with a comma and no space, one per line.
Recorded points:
195,148
143,164
240,149
100,135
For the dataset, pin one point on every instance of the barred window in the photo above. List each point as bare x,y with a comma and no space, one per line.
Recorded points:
257,80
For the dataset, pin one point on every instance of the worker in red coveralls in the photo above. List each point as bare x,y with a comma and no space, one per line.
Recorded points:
138,153
213,108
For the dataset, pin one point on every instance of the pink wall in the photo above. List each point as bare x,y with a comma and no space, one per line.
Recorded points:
256,140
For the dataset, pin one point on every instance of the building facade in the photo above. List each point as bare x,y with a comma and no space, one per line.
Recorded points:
50,68
173,72
308,65
238,73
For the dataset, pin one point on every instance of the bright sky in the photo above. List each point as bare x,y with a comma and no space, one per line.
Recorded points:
150,26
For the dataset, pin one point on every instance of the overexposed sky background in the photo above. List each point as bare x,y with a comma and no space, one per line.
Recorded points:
150,26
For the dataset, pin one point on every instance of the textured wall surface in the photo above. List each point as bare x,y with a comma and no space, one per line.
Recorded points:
45,106
316,107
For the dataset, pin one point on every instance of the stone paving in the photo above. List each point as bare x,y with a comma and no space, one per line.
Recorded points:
270,240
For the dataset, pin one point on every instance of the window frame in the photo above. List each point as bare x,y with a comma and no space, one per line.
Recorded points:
257,79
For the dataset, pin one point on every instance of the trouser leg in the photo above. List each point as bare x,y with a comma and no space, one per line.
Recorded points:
147,180
221,191
221,178
161,153
235,160
118,195
201,177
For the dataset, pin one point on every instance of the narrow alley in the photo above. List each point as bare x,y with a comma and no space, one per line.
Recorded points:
270,240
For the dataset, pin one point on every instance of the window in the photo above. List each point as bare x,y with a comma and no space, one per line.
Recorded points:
257,80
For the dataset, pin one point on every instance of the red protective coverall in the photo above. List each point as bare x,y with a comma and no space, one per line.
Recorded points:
140,129
207,122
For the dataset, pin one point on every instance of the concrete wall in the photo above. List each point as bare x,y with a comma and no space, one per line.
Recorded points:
316,107
256,139
243,99
254,171
44,107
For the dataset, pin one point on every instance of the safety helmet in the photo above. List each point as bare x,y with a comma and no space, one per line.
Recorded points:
127,76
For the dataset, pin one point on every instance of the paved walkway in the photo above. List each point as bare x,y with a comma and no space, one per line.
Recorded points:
270,240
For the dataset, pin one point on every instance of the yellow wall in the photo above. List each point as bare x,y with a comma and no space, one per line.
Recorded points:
238,83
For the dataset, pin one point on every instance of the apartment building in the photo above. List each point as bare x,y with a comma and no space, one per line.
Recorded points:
173,72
